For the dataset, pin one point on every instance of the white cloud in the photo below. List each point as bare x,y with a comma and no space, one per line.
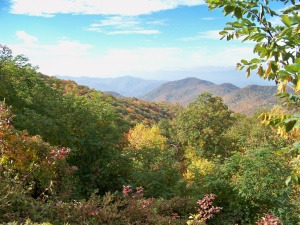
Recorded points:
22,35
95,29
118,21
213,35
134,32
208,18
63,49
69,57
96,7
210,34
124,25
276,21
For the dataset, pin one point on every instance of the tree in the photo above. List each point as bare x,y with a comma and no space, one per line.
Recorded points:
30,162
154,166
202,124
85,122
249,133
142,136
277,48
248,185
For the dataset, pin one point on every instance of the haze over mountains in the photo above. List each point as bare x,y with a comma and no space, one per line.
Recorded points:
126,86
245,100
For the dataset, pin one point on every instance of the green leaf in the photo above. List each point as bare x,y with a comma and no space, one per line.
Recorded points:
238,12
274,66
223,32
297,60
246,39
282,95
286,20
237,25
228,9
255,60
244,61
294,68
290,125
288,180
282,74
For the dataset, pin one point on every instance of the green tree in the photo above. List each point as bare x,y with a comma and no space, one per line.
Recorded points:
85,122
156,171
249,184
249,133
154,165
202,124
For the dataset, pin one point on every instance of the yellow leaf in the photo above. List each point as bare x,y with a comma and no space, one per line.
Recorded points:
142,136
281,88
297,88
268,71
248,72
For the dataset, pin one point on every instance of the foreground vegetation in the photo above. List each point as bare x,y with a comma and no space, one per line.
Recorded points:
73,155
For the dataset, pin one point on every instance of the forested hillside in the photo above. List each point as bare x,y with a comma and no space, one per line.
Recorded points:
130,110
252,98
186,90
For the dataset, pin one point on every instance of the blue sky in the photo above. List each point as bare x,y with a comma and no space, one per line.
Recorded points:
151,39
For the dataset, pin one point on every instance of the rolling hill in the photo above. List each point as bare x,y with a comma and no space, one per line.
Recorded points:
186,90
245,100
131,110
249,99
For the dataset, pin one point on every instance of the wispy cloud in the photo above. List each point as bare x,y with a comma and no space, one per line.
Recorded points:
211,34
22,35
208,18
118,21
134,32
63,47
96,7
124,25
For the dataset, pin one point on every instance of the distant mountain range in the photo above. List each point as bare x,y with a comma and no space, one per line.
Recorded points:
245,100
186,90
126,86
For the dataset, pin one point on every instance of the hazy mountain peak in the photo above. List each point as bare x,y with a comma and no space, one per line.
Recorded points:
192,81
244,100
